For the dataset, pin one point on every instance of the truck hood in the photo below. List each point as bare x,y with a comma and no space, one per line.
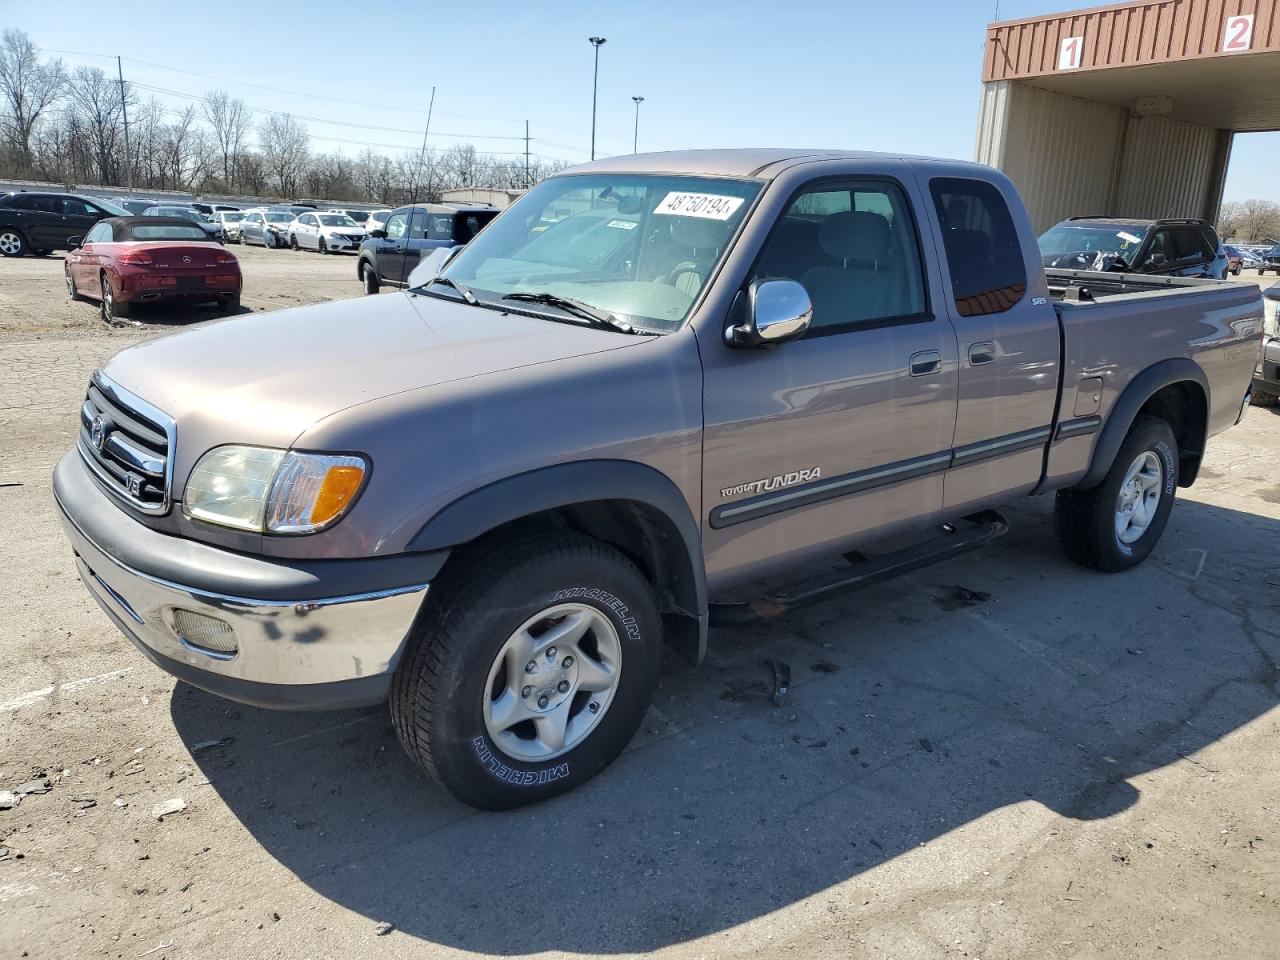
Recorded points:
265,378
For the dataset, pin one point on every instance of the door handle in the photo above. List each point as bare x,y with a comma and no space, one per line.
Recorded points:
925,362
980,353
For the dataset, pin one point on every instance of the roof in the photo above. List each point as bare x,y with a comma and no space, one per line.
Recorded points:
122,227
755,162
447,208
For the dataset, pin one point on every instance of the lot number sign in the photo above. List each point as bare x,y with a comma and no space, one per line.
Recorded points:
1237,35
1070,52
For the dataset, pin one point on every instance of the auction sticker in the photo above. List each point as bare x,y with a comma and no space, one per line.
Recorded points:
622,224
1128,237
708,206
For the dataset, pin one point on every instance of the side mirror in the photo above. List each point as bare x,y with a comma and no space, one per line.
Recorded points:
775,311
378,233
1157,260
75,242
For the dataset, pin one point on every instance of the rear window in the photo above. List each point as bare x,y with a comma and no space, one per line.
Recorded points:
165,231
359,216
988,273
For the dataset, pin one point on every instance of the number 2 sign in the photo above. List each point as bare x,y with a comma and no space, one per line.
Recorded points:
1237,35
1069,51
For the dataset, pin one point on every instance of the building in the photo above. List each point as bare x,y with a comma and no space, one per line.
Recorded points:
488,196
1129,109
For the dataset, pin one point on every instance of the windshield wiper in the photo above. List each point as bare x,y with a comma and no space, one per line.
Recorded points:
593,315
467,295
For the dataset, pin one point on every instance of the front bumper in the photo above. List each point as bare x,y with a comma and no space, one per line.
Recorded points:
324,648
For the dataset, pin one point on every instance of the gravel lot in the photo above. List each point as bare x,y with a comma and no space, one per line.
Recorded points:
1005,756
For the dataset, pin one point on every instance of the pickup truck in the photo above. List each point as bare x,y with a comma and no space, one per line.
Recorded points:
490,499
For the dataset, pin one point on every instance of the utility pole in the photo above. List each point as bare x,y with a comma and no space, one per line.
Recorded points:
124,111
526,155
596,42
635,143
413,193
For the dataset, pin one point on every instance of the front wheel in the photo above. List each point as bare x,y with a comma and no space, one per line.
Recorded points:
530,671
323,247
72,293
369,279
1115,525
293,243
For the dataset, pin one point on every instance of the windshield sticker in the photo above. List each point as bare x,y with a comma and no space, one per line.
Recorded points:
622,224
707,206
1128,237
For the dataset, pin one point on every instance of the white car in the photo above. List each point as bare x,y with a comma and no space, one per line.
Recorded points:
377,220
230,221
325,231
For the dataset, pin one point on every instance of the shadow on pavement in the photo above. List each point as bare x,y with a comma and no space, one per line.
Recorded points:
1003,678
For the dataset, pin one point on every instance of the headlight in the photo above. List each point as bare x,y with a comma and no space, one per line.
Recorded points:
262,490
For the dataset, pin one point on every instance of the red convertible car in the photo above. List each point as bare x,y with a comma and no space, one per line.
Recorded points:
128,260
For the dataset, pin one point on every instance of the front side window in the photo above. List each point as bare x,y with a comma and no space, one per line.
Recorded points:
854,248
101,233
640,247
397,226
984,255
1189,247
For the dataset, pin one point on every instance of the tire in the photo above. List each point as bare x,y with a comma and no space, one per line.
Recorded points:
322,247
369,278
490,613
1088,522
229,306
72,293
293,243
12,242
1260,398
112,309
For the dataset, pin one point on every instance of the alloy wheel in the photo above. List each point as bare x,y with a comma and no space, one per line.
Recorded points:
1139,497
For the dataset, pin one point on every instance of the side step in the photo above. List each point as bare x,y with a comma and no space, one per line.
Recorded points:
966,534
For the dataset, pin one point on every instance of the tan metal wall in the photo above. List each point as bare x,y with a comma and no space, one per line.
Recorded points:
1148,31
1071,157
1062,152
1167,169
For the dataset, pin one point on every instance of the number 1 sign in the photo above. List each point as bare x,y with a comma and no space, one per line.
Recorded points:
1069,53
1237,35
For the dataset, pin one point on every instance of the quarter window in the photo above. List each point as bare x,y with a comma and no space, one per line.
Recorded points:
984,255
853,246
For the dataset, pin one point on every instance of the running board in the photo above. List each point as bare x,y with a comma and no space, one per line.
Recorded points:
966,534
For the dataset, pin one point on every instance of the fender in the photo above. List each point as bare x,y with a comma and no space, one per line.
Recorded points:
569,484
1125,410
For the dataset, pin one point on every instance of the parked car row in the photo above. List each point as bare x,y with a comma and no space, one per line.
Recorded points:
1168,247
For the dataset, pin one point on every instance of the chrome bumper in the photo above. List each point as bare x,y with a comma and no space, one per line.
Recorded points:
314,654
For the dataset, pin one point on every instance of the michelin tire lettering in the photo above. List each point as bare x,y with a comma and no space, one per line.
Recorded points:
517,778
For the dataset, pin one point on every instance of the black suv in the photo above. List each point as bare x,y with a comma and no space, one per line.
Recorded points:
389,255
40,222
1176,248
1269,260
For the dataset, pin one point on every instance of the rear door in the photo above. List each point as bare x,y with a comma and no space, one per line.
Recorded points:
1007,331
42,220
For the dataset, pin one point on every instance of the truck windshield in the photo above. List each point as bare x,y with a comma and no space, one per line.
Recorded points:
1108,239
639,247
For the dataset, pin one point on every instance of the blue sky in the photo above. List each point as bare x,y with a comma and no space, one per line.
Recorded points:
849,74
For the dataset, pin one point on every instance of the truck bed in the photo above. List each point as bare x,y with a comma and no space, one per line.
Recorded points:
1086,286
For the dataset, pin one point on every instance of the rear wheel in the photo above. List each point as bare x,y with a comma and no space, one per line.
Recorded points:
12,243
369,278
530,671
230,305
1115,525
71,285
112,309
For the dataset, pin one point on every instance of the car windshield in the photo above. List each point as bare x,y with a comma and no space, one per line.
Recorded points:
336,220
113,208
1110,239
640,247
279,217
168,231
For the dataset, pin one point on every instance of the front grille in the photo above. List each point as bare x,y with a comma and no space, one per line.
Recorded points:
353,237
126,443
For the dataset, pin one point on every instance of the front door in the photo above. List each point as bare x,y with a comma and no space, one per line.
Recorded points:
390,250
78,218
1008,336
832,439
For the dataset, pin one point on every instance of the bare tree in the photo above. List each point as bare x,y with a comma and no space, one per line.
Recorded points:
1250,221
284,142
230,120
29,88
96,110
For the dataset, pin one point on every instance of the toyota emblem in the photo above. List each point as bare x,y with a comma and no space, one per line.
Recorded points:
186,259
98,432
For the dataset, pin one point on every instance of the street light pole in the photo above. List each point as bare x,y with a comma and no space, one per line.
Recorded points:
635,143
596,42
